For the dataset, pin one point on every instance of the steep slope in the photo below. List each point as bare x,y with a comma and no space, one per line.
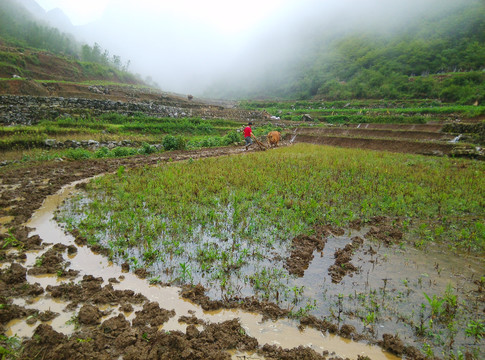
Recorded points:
37,59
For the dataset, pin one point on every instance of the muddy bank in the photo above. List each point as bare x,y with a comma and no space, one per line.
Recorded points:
22,190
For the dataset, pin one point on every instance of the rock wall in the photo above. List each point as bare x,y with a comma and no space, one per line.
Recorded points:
28,110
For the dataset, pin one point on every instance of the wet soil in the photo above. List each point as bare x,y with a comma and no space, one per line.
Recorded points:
392,145
381,133
135,331
22,191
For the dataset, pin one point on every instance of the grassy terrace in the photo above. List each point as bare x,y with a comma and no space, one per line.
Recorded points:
413,111
27,141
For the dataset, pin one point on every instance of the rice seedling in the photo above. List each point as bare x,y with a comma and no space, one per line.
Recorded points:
227,223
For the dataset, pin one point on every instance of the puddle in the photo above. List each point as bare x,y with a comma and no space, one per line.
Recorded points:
283,332
392,285
61,323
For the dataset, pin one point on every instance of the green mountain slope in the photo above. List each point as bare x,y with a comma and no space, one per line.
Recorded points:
440,55
32,49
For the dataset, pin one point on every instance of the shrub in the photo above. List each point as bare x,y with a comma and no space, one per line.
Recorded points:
78,154
174,142
231,138
122,151
147,149
101,152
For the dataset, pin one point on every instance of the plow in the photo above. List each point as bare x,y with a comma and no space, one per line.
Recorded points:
259,143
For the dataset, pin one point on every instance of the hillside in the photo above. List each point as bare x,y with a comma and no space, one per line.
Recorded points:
36,59
437,55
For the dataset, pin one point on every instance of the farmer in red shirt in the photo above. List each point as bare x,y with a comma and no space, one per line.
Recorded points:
247,135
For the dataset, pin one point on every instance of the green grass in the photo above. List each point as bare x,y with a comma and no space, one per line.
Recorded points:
247,205
228,222
318,184
113,126
415,112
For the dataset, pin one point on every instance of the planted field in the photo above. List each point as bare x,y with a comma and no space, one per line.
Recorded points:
317,230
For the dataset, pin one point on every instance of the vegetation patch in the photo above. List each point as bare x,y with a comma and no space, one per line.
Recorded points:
228,223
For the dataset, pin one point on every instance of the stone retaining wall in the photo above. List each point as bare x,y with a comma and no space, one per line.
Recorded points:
93,144
28,110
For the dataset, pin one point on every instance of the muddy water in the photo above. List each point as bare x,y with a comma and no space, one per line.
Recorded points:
392,284
283,332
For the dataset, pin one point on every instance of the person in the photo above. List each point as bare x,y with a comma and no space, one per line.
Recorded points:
248,133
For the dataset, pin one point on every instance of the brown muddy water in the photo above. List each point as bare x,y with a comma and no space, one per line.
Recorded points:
282,332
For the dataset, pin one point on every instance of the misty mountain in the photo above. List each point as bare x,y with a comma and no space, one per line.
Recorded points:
336,49
55,17
32,48
425,54
34,9
333,49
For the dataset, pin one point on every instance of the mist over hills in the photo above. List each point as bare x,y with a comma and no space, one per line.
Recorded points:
330,50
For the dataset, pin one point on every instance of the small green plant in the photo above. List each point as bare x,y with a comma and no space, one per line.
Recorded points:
185,272
304,311
10,347
475,329
428,351
80,340
10,240
39,261
436,305
370,318
120,172
155,280
74,320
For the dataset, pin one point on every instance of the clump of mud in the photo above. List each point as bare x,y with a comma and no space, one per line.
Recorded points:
52,262
271,352
269,310
395,345
13,283
384,231
115,338
343,257
91,290
303,247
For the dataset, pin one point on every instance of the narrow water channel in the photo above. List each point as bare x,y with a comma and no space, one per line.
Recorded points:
284,333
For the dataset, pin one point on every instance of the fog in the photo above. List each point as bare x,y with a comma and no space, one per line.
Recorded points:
187,46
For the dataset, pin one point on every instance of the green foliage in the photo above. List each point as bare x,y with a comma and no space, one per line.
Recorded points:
438,55
475,329
10,347
78,154
216,215
99,56
19,28
174,142
147,149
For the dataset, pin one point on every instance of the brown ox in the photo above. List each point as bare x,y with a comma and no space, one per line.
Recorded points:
274,138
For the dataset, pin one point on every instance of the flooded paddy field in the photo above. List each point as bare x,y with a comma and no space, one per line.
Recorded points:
293,258
319,264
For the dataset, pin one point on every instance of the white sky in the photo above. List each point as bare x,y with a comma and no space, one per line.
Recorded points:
187,45
225,15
